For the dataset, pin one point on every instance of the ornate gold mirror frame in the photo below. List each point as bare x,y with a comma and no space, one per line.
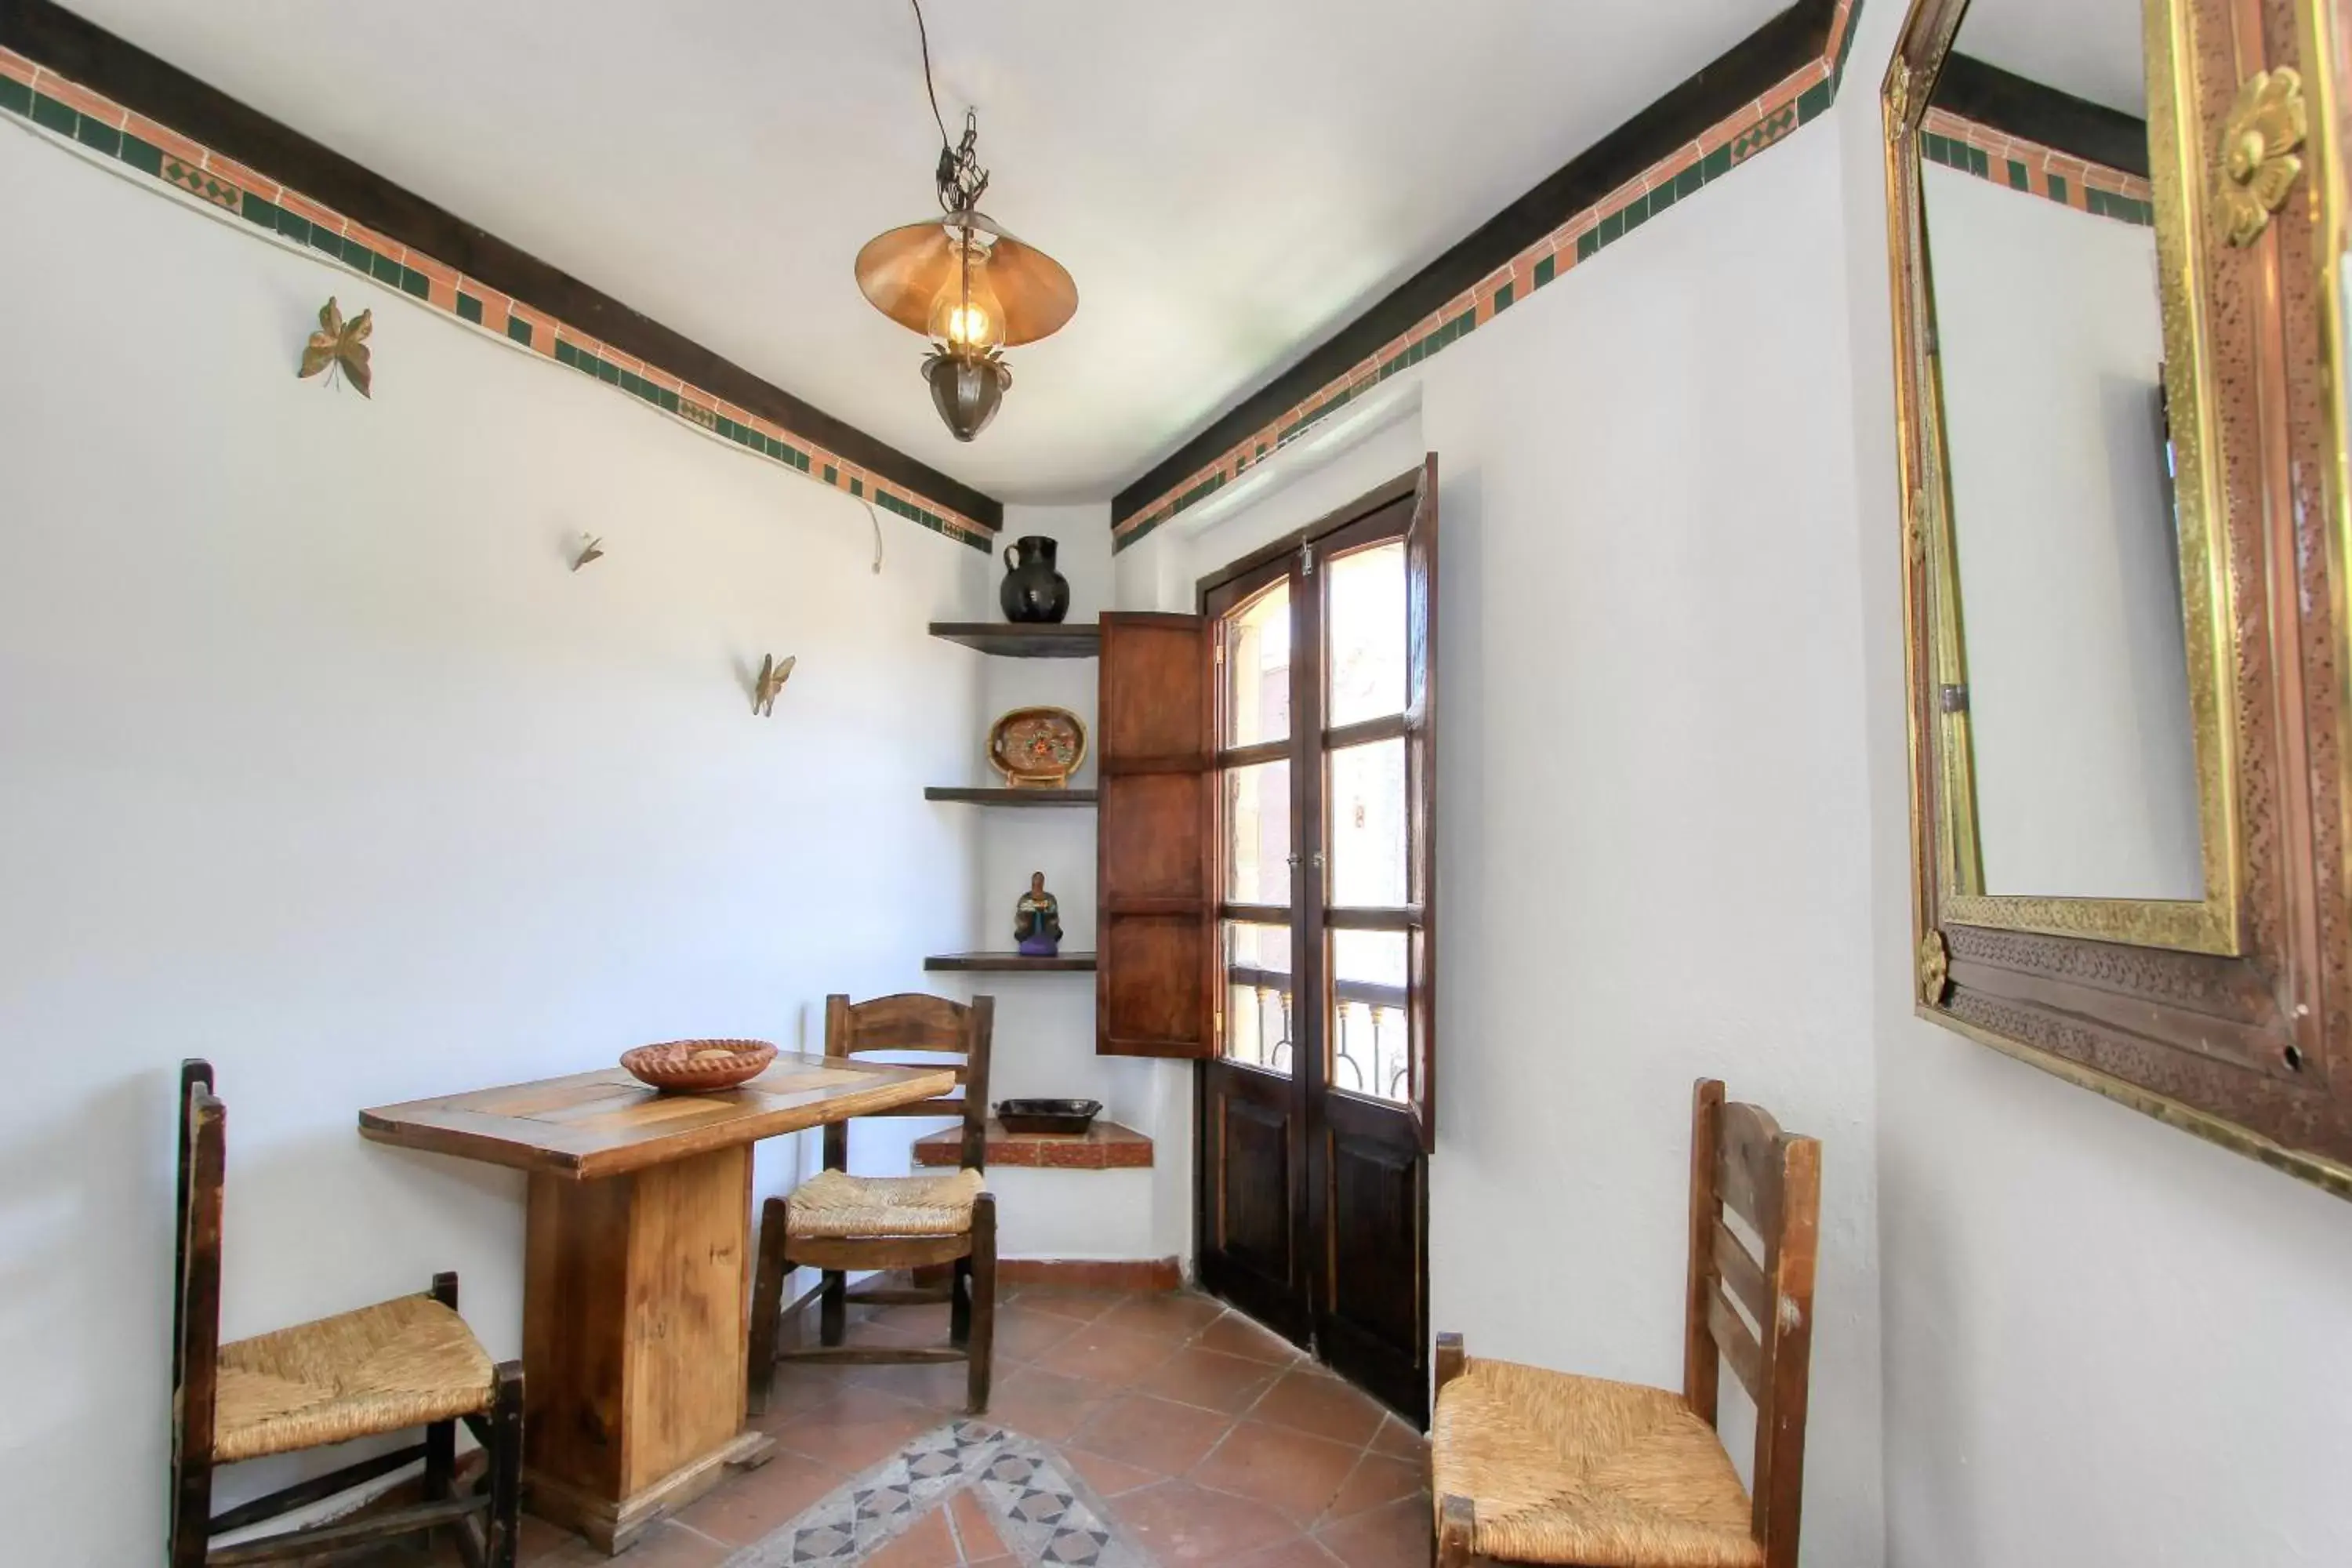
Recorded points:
2226,1017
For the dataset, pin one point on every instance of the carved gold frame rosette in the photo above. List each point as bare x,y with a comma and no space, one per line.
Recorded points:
2228,1016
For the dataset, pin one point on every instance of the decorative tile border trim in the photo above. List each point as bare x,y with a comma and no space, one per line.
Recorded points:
34,93
1797,99
2017,164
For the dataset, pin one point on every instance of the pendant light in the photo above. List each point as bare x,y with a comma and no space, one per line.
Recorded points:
964,282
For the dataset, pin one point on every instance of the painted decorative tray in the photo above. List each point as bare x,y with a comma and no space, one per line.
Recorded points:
1069,1116
698,1067
1037,748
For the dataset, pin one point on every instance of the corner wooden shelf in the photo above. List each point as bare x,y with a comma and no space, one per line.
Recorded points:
1010,963
1021,797
1008,641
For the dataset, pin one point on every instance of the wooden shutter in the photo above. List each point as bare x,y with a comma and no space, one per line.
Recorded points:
1155,910
1420,795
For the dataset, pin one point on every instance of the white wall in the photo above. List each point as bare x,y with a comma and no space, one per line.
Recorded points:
317,761
2051,348
1650,772
2105,1342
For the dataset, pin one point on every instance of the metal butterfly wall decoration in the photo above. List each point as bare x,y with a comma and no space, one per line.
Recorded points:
340,345
773,676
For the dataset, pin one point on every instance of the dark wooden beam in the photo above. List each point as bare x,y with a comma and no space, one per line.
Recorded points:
1742,74
85,53
2020,106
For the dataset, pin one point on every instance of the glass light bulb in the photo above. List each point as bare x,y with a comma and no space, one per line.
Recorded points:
968,326
966,313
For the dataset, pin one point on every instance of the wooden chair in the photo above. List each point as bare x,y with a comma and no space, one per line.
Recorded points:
841,1224
404,1363
1540,1467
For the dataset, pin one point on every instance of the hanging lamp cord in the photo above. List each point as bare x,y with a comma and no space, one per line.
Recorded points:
959,177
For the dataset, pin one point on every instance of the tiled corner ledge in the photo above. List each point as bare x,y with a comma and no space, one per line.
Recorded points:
35,95
1105,1146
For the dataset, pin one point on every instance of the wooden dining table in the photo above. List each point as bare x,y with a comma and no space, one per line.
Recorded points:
636,1267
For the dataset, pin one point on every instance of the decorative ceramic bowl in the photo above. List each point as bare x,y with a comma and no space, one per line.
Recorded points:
1037,748
698,1067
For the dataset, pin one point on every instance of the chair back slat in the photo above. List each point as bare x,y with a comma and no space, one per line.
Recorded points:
1740,1158
1741,1276
909,1024
195,1313
1737,1343
1748,1166
909,1021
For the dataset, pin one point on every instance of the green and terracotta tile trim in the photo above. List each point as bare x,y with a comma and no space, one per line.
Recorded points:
1797,99
39,95
2017,165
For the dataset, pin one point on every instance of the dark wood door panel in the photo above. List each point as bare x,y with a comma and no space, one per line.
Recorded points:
1249,1251
1154,696
1154,989
1148,972
1151,832
1254,1184
1375,1206
1373,1300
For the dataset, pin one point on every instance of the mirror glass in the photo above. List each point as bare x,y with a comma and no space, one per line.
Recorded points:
2072,706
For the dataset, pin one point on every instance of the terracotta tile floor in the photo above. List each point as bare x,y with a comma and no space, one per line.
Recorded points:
1212,1441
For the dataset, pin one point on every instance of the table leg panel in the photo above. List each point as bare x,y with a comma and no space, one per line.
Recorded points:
687,1309
635,1308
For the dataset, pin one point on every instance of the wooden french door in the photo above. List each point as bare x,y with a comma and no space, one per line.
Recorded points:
1317,1102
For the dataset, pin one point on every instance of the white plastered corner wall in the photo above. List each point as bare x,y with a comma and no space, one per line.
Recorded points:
2106,1341
320,761
1651,778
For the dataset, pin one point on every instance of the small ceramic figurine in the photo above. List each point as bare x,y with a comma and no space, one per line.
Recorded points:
1038,920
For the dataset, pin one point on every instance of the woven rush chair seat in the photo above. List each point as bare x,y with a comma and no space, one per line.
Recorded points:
1533,1466
878,1226
1580,1470
836,1203
397,1364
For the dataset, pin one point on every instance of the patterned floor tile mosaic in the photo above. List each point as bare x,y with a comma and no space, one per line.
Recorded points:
1034,1507
1127,1430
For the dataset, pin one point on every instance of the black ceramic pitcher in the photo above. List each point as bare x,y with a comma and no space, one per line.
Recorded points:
1033,591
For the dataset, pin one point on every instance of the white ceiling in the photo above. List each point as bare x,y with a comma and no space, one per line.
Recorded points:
2088,48
1228,180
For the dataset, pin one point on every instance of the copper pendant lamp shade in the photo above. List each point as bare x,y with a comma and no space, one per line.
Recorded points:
962,282
1023,293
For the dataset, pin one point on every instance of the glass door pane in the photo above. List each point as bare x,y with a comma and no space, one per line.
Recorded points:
1256,696
1260,996
1367,825
1371,1038
1257,833
1364,625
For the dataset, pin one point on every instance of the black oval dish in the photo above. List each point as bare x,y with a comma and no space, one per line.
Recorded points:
1064,1116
